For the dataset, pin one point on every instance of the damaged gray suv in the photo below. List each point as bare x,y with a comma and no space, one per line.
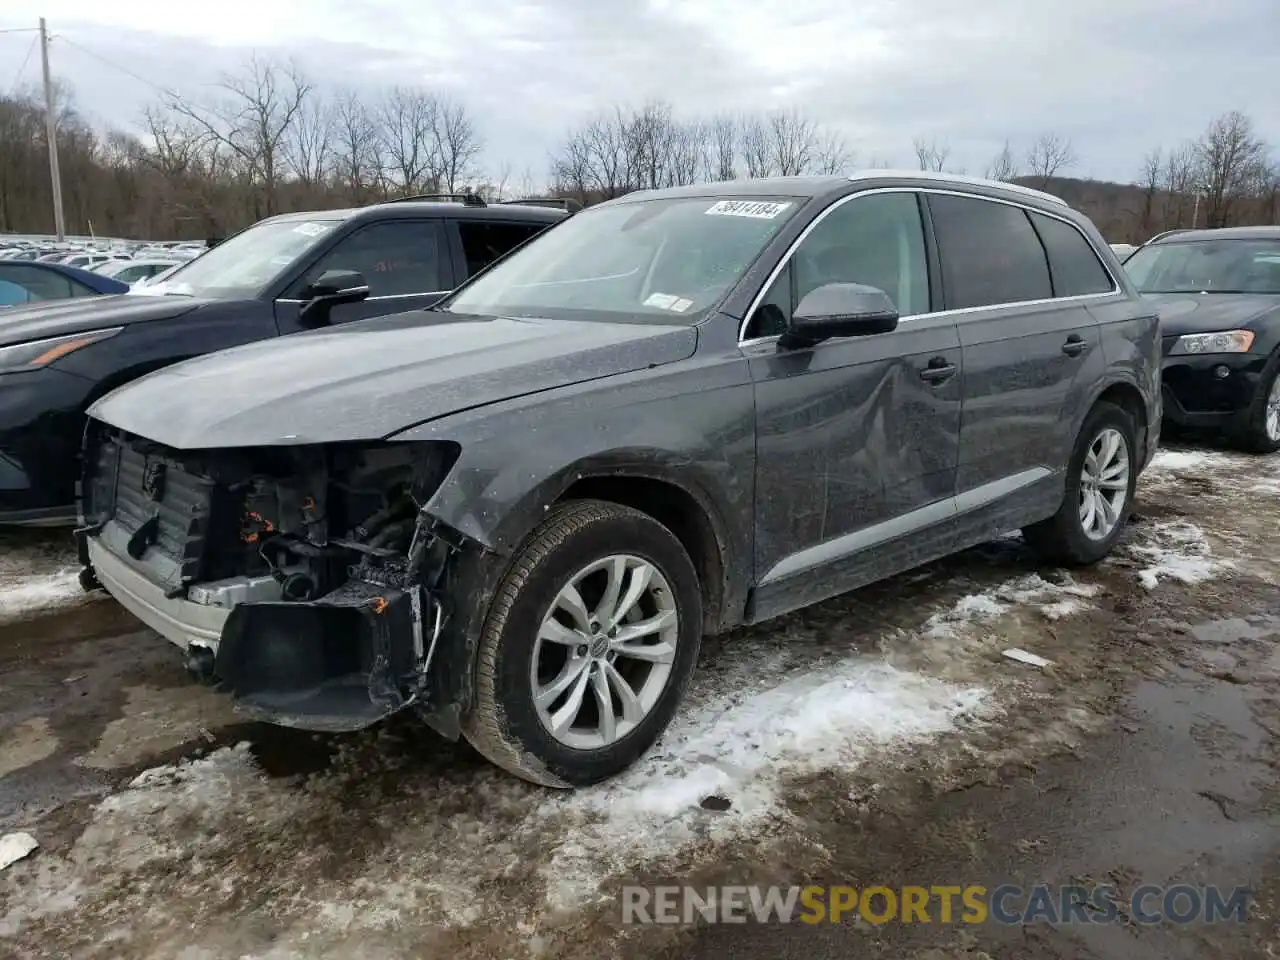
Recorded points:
681,411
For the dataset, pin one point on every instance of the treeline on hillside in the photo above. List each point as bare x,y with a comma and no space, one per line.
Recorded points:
268,140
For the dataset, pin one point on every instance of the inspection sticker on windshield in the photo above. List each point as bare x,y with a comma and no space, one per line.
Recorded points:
756,209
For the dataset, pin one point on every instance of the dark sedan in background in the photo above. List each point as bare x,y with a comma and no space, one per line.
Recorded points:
295,272
1219,294
23,283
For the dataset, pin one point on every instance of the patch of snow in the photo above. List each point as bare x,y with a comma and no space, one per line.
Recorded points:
1178,460
1052,600
15,846
23,596
741,747
1179,551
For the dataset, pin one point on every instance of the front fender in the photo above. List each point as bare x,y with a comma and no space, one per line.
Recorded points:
690,424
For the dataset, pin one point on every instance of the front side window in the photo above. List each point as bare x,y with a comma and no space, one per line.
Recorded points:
484,241
1207,266
43,284
876,240
647,261
243,266
1075,268
989,251
397,258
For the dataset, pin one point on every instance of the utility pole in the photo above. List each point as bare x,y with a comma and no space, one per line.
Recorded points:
51,131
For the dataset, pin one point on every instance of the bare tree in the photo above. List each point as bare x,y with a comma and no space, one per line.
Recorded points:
252,118
357,155
831,154
458,144
309,142
793,141
407,123
1049,155
1232,159
1152,167
1003,166
931,155
722,148
754,146
1179,179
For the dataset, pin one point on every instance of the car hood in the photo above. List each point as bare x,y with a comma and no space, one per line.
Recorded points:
1182,313
369,380
57,318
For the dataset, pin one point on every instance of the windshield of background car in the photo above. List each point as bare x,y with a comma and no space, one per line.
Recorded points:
1207,266
240,267
648,261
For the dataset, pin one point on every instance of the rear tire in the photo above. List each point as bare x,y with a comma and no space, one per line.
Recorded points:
559,627
1259,428
1074,535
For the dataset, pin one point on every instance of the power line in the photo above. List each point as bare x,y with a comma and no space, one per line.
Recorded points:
25,60
21,30
115,66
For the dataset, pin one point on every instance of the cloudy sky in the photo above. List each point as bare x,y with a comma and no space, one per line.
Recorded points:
1117,77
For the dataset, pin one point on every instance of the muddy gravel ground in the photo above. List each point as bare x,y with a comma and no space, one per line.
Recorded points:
881,738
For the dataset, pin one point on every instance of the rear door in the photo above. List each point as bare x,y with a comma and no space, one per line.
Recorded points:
478,243
1029,356
405,261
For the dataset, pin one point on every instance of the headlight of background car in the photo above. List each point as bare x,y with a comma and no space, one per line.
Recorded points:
40,353
1228,341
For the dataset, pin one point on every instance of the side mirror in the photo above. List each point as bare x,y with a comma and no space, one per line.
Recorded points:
333,288
840,310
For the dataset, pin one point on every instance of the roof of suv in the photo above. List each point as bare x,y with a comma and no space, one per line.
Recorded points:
830,186
395,209
1219,233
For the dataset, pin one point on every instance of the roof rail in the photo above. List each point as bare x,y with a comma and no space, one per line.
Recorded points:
1166,233
557,203
957,178
467,199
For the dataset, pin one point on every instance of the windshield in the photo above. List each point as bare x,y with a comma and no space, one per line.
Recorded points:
243,265
654,261
1207,266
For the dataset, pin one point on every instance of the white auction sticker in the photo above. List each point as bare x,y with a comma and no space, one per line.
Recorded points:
662,301
756,209
311,229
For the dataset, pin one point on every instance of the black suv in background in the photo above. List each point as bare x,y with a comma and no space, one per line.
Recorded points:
680,411
289,273
1218,292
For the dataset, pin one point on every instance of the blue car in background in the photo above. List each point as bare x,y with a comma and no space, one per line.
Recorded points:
23,282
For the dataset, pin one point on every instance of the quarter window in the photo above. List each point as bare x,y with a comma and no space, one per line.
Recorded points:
877,240
1074,266
396,257
484,241
989,251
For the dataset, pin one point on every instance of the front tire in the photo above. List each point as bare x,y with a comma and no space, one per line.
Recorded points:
1259,428
1101,476
587,648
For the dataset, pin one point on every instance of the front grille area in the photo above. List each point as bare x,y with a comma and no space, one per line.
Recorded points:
158,507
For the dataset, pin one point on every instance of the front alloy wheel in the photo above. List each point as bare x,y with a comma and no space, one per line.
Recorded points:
587,646
604,651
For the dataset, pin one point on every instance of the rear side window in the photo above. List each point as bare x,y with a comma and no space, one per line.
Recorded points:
484,241
1075,267
989,251
44,284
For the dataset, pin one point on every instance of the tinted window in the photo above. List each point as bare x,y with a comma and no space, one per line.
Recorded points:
990,253
876,240
484,241
43,284
1074,266
397,257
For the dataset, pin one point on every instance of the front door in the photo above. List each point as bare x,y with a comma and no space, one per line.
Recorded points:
857,438
406,263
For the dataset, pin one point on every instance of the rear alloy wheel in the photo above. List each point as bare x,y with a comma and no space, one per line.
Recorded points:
1099,491
587,648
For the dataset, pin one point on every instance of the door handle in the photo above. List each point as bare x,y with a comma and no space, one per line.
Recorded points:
1074,346
938,370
